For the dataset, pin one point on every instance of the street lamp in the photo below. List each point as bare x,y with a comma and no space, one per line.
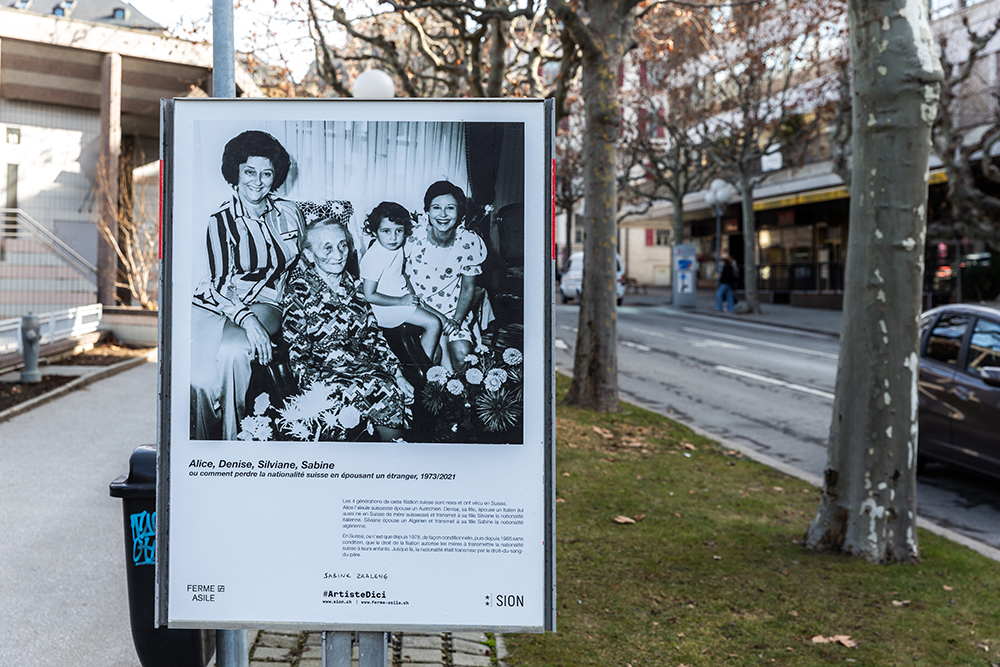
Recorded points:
717,197
374,84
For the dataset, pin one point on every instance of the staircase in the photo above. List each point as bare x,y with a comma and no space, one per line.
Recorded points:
39,273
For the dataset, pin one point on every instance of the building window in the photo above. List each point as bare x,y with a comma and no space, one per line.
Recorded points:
21,4
578,235
8,221
939,8
64,8
11,186
13,135
119,13
662,237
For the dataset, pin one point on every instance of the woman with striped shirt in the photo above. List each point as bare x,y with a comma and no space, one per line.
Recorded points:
254,239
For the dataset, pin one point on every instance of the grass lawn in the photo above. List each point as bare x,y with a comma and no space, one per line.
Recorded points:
712,571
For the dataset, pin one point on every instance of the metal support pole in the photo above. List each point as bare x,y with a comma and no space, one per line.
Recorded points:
373,651
337,649
223,50
231,644
231,648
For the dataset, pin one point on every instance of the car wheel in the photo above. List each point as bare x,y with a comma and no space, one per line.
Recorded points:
619,300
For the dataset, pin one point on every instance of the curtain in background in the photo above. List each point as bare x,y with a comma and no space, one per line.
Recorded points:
370,162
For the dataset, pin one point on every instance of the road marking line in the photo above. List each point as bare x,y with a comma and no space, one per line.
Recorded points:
563,326
825,355
561,344
694,342
637,346
780,383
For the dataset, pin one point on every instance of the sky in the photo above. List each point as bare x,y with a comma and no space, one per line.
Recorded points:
274,29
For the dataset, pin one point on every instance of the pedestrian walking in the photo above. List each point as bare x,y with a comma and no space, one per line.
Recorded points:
727,283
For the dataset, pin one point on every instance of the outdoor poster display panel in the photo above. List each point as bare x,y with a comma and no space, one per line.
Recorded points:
356,384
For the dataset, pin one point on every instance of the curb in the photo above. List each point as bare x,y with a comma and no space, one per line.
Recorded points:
501,650
790,470
73,385
758,319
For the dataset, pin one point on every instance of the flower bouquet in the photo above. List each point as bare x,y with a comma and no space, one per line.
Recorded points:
320,413
485,403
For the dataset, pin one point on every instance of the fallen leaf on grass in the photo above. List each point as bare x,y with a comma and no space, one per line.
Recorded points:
565,474
603,432
900,603
835,639
560,500
624,519
639,517
688,445
947,588
716,557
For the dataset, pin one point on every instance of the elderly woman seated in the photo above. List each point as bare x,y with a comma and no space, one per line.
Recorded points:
350,379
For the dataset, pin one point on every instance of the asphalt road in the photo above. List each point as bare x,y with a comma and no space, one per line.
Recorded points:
765,387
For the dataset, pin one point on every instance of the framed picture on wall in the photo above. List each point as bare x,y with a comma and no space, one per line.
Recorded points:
356,351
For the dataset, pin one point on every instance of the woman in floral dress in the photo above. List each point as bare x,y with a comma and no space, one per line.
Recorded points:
443,259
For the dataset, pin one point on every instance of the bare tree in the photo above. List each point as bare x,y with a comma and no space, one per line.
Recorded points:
665,113
771,88
458,48
962,133
869,503
133,234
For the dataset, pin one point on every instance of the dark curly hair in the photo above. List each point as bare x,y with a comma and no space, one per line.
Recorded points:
254,143
394,212
446,188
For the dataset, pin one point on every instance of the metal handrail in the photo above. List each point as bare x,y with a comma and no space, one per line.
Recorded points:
56,325
75,260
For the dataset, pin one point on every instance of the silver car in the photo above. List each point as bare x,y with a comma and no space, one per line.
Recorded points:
572,279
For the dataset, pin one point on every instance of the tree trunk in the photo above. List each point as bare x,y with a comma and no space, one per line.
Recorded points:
869,503
751,294
569,234
601,41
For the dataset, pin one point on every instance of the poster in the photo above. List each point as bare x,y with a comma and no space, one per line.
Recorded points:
357,412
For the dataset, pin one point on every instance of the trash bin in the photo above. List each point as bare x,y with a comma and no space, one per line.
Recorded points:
155,647
685,275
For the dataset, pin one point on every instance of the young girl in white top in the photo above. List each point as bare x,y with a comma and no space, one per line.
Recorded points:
385,285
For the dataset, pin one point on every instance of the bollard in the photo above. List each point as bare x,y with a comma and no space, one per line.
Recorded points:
31,328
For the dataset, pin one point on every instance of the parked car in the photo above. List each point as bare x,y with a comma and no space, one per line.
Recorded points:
571,282
960,387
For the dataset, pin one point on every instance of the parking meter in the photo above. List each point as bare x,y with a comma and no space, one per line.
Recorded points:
685,275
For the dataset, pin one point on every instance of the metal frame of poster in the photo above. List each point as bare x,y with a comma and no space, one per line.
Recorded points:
356,425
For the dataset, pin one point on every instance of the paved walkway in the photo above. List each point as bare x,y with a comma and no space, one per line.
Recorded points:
447,649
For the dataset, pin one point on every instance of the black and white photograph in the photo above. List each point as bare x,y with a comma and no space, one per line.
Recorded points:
359,281
357,347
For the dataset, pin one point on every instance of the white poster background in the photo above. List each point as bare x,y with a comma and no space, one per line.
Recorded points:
280,551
